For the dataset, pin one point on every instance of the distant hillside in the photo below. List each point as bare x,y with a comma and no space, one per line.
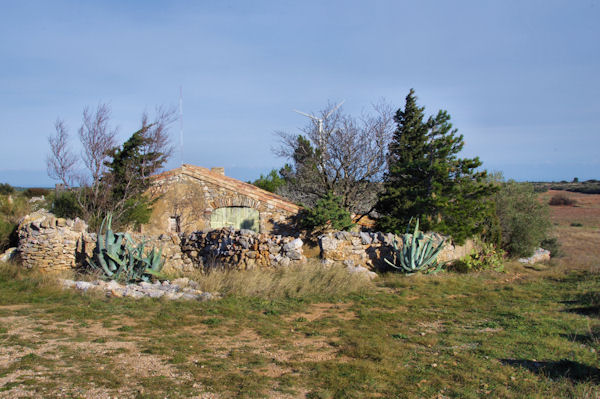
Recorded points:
586,187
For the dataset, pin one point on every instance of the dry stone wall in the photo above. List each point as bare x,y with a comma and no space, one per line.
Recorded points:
241,249
55,244
370,249
50,243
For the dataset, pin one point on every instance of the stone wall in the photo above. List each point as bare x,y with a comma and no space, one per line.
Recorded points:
50,243
55,244
370,249
241,249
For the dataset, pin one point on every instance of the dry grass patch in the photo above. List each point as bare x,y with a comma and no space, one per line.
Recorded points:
308,280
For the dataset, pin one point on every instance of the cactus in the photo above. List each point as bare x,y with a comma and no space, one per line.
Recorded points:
418,252
117,256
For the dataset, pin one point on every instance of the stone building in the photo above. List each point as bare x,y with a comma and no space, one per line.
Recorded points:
192,198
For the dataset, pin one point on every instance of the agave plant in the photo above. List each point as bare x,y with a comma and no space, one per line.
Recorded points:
418,253
117,256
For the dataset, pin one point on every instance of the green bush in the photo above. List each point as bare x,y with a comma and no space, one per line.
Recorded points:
35,192
327,212
486,257
6,189
524,221
552,245
271,182
7,235
65,205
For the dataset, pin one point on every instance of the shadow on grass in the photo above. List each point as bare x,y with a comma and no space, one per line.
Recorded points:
586,339
591,311
575,372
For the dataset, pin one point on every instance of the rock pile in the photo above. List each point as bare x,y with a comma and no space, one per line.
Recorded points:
241,249
181,288
540,255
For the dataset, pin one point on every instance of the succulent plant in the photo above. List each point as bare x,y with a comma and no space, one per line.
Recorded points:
118,257
418,253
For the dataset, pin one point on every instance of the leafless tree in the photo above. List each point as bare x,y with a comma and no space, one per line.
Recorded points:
61,163
96,194
347,157
97,139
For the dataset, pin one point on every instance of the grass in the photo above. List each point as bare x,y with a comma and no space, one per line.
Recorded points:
524,333
531,331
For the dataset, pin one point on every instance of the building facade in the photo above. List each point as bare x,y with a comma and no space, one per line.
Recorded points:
193,198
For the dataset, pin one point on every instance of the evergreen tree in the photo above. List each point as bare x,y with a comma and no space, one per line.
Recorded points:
127,176
271,182
328,212
426,179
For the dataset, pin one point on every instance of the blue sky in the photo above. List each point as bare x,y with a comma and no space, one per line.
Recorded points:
520,78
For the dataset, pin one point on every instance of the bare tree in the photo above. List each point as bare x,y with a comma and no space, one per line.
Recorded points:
97,139
62,162
347,157
101,189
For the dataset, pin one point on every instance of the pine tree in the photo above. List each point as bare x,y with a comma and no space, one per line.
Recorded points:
426,179
127,177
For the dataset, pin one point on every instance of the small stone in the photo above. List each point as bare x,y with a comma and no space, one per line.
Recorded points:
173,295
68,283
205,296
181,282
115,293
293,245
294,255
83,285
154,293
366,238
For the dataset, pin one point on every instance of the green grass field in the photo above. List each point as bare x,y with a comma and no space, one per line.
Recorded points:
527,332
530,332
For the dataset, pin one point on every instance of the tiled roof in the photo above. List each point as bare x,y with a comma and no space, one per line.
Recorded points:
232,184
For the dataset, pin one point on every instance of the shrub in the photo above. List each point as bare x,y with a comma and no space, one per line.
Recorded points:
64,205
7,235
327,213
562,199
552,245
271,182
486,257
35,192
6,189
524,221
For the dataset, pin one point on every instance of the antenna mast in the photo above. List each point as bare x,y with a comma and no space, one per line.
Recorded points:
181,123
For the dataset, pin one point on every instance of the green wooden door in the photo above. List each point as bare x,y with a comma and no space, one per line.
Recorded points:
235,216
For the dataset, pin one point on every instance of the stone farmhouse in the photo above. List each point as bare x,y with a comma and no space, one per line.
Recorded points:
192,198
